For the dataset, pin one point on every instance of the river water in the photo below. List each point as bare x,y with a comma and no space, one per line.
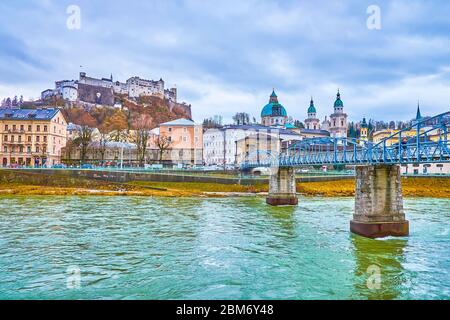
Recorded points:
228,248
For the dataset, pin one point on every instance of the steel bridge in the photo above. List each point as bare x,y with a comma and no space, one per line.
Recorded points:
425,141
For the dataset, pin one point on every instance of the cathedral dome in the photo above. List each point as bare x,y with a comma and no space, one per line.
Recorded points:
273,108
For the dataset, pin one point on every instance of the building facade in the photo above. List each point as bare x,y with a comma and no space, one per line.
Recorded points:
186,142
32,137
219,144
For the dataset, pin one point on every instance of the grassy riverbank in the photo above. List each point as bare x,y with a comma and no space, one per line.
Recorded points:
412,187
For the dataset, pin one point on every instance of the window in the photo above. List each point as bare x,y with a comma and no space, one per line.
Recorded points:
14,127
38,139
44,149
5,138
45,128
12,138
45,138
20,139
28,149
22,127
6,127
29,138
37,149
170,129
38,128
21,149
5,149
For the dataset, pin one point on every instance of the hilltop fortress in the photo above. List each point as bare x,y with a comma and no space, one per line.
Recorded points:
102,91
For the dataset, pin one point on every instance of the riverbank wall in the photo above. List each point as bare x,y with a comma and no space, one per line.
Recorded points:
124,177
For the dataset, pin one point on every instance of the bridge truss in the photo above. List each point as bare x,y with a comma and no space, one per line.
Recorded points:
428,144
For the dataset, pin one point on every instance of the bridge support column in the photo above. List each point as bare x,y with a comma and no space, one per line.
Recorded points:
282,187
379,202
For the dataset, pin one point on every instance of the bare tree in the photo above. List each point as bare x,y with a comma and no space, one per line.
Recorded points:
84,140
104,138
142,126
162,143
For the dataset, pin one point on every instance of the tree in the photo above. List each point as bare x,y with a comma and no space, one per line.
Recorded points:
104,138
299,124
241,118
84,140
214,122
142,126
118,125
162,143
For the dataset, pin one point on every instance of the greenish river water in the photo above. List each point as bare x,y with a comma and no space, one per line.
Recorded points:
232,248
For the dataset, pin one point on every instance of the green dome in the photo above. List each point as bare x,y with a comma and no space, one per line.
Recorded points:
338,102
364,123
273,109
311,108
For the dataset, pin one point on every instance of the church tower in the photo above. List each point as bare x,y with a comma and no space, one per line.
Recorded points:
312,123
338,120
364,132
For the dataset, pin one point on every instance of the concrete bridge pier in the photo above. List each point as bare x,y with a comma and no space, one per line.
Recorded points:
379,202
282,187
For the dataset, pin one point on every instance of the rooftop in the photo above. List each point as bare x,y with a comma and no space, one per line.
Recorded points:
28,114
179,122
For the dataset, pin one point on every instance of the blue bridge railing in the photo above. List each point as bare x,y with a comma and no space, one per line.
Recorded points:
426,141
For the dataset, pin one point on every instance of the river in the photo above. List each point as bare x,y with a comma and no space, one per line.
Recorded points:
215,248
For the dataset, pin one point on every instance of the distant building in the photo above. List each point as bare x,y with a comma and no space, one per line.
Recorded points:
338,120
186,142
101,91
32,137
364,132
219,144
260,146
312,122
273,113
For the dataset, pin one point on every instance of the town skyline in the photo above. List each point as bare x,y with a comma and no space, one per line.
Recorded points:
381,73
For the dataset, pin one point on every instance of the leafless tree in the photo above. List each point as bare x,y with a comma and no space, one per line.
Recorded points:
142,126
162,143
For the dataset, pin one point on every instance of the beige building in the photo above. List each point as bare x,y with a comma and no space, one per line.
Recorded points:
258,147
186,142
32,137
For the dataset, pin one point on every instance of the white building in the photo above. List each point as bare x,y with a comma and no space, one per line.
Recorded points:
219,145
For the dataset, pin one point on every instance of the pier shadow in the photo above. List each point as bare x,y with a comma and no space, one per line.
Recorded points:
284,218
378,257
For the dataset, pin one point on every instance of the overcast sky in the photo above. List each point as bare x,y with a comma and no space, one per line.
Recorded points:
226,56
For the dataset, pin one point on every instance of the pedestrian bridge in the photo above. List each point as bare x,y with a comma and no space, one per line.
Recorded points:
378,193
428,144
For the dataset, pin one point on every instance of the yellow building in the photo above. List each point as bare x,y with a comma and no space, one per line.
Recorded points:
379,136
32,137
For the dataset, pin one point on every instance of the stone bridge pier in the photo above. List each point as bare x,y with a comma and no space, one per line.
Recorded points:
379,202
282,187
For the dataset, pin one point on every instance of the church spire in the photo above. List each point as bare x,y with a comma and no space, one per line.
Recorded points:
418,115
